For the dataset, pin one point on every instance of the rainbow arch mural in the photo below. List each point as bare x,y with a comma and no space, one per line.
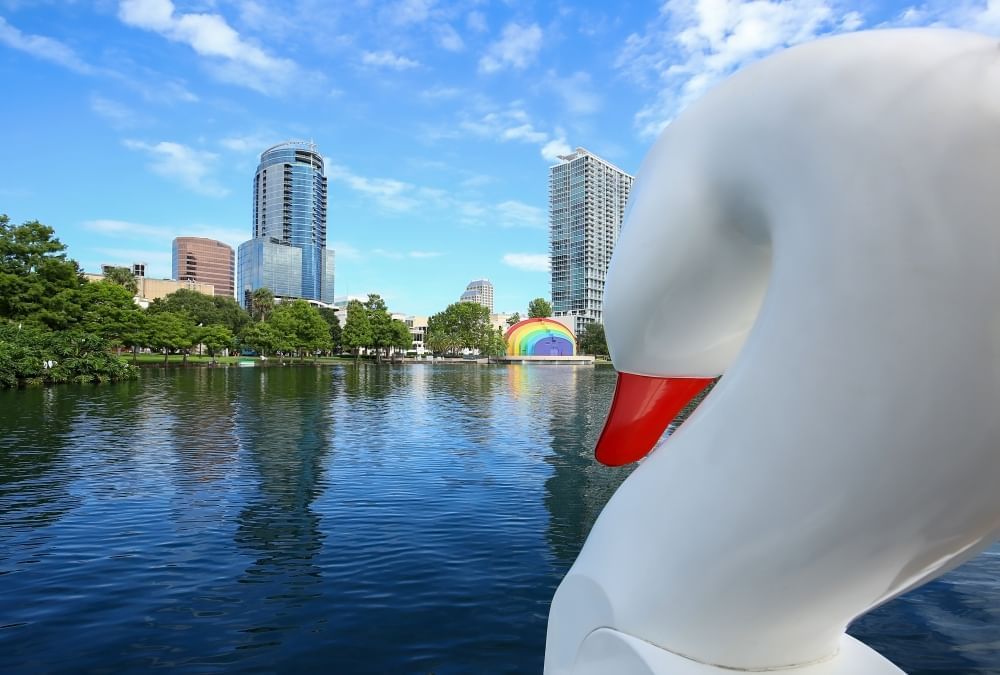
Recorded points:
540,337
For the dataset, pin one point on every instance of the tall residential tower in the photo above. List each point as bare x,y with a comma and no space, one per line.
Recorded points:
288,252
587,197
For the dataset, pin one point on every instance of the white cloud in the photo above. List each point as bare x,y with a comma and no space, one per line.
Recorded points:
249,144
529,262
387,59
189,167
42,47
123,229
552,150
390,194
517,48
476,21
577,93
344,250
407,12
513,213
398,196
120,116
514,124
232,58
449,38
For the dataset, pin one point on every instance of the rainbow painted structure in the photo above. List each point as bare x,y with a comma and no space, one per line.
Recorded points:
540,337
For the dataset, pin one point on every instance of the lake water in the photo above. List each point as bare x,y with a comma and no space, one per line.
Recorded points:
346,519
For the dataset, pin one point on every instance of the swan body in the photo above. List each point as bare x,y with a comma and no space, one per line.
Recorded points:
824,229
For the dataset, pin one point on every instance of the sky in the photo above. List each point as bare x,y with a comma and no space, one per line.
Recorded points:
126,124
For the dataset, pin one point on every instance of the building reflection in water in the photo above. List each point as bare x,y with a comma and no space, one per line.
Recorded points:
284,426
576,403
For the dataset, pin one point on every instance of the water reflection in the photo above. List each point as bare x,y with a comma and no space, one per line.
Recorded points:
284,421
356,518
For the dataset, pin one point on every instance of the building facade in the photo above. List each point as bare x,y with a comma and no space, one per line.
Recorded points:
205,260
481,291
288,248
587,197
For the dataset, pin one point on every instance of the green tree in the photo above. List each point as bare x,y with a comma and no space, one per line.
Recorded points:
169,332
593,341
261,338
197,307
108,310
380,322
122,276
330,316
214,338
512,319
261,304
37,282
357,331
539,308
27,351
402,339
462,325
496,345
301,325
228,313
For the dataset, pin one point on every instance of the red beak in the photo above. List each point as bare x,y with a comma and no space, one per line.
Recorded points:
640,411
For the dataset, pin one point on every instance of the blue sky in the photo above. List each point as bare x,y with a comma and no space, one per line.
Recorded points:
127,123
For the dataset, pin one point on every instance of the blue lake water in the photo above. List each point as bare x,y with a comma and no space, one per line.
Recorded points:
346,518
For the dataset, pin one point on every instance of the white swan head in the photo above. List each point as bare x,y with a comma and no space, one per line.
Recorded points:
823,228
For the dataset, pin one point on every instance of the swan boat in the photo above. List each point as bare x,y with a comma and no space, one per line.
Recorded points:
822,230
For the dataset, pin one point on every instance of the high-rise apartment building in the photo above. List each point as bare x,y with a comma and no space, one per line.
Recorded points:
587,197
481,291
288,252
205,260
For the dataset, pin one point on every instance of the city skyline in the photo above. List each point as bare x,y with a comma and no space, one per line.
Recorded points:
438,120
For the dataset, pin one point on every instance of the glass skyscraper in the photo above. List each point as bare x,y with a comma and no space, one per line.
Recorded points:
288,252
587,197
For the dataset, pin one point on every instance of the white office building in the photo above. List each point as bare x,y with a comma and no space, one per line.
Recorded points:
481,291
587,197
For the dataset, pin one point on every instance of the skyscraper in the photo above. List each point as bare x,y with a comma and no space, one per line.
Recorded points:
205,260
481,291
587,197
288,252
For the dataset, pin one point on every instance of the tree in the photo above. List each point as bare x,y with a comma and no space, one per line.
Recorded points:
37,282
261,304
330,316
122,276
401,337
512,319
108,310
197,307
593,341
539,308
380,322
228,313
357,331
301,325
214,338
496,345
169,332
261,338
462,325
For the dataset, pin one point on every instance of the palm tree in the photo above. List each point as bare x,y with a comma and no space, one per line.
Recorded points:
123,277
261,304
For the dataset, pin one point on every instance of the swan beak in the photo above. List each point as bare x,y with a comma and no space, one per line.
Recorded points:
641,409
